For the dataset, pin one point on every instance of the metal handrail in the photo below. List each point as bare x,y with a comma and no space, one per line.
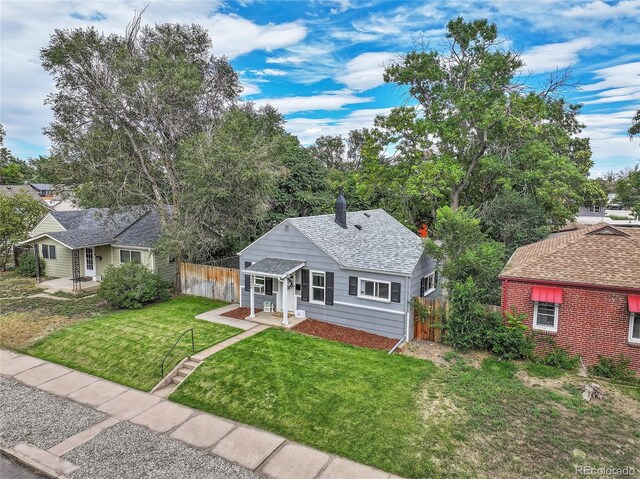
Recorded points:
193,348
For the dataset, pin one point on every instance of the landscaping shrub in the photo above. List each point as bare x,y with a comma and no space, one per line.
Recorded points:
614,368
27,265
131,286
550,354
510,339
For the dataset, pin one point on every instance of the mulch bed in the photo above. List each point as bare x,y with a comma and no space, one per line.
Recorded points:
240,313
342,334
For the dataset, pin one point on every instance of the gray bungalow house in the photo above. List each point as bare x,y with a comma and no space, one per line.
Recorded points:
358,269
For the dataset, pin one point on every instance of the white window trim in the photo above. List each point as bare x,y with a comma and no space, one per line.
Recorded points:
553,328
311,287
427,292
129,251
49,252
361,294
631,338
256,286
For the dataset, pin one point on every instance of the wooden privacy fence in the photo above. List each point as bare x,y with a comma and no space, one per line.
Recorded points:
434,314
213,282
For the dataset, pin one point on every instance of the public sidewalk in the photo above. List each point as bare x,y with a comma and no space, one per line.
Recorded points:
125,413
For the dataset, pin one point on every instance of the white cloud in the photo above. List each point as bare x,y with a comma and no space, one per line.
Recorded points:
308,62
308,129
365,71
546,58
618,83
249,88
325,101
269,72
601,10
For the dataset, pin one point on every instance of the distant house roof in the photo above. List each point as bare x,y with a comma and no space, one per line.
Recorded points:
42,186
602,255
373,240
135,227
12,190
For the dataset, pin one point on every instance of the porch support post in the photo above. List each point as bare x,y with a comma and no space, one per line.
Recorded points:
285,293
252,300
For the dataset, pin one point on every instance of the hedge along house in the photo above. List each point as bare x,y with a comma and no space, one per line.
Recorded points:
355,269
582,288
80,245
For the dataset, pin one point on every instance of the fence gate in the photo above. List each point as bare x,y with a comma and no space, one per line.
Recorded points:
213,282
428,317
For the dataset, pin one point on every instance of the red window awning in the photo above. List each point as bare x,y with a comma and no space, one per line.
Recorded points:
546,294
634,304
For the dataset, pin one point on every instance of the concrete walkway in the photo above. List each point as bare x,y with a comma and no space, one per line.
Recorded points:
215,316
253,449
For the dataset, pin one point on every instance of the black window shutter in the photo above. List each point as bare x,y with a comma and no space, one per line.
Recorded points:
353,285
304,292
422,286
328,300
435,279
268,286
395,292
247,278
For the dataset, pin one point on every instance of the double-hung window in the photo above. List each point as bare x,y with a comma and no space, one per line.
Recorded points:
258,285
376,290
634,328
127,256
594,209
429,284
318,287
545,316
48,251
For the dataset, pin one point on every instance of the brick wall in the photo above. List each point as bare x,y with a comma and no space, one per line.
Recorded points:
590,321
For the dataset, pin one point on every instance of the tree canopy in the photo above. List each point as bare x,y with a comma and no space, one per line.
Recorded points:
19,214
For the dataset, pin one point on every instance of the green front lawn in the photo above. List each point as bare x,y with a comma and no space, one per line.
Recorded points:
128,346
409,417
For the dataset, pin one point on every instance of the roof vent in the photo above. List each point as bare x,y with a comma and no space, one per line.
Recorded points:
358,227
367,215
341,210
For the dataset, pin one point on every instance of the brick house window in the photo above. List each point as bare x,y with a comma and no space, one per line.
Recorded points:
545,316
634,328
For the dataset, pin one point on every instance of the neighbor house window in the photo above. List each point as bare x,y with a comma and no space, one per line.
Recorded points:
634,328
317,287
127,256
429,284
48,251
258,285
545,316
376,290
594,209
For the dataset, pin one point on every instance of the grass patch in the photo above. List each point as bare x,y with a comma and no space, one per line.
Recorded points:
128,346
409,417
13,285
350,401
542,371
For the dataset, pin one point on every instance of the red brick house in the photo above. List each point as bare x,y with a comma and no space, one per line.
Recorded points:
583,288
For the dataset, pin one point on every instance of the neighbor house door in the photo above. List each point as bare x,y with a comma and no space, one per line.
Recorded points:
89,262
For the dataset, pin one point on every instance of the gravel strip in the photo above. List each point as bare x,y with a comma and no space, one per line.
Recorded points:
132,452
39,418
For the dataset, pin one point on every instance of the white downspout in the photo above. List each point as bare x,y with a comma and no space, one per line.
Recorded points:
407,312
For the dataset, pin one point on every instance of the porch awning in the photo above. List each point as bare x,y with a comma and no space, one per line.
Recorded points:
546,294
634,303
274,267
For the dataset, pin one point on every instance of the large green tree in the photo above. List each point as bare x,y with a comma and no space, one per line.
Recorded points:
19,214
13,170
471,130
130,109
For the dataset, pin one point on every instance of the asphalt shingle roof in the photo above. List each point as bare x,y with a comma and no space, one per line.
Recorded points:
12,190
275,266
602,254
81,238
373,240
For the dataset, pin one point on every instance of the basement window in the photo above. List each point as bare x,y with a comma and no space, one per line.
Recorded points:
545,316
634,328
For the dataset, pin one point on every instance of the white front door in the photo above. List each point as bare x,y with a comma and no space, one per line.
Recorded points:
291,294
89,262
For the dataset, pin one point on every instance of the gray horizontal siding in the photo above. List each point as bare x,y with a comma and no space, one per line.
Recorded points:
289,243
425,267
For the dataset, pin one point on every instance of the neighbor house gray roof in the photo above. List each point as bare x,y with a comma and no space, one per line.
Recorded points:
12,190
134,227
275,266
42,186
373,240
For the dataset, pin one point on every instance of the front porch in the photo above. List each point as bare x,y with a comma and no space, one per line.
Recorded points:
275,319
66,285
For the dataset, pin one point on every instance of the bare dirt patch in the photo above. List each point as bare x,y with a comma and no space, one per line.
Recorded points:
342,334
240,313
436,353
20,330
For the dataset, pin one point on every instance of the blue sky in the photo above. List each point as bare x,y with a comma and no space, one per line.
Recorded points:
321,62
